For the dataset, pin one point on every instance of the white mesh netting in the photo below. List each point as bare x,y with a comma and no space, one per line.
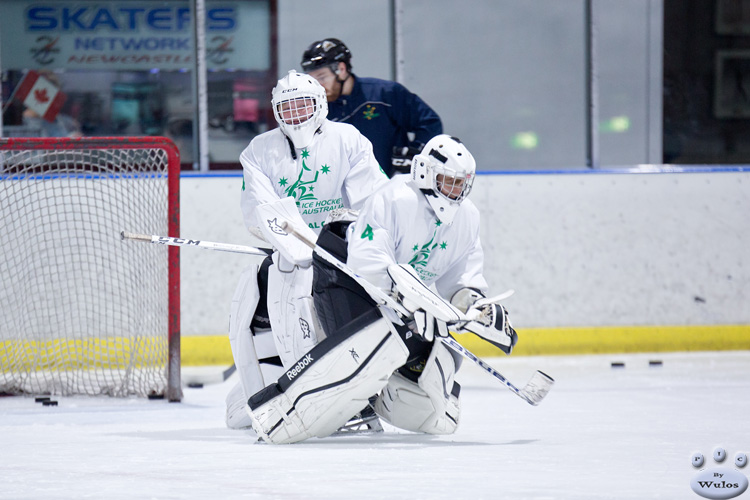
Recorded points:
83,312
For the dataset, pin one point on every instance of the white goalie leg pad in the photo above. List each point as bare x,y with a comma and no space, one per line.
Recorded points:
247,349
236,413
237,416
431,405
244,302
294,323
328,385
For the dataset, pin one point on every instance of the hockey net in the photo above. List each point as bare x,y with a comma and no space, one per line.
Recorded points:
84,312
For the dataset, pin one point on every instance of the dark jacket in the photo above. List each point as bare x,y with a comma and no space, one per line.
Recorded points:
384,111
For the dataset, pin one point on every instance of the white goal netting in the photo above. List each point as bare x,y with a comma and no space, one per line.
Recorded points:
83,312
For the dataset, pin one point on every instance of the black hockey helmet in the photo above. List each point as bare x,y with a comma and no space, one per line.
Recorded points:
326,52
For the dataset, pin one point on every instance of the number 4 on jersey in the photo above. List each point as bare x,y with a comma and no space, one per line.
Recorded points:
367,233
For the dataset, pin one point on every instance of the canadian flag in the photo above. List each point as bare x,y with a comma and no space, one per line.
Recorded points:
40,95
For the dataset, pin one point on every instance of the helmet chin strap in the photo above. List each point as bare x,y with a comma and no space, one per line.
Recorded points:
291,147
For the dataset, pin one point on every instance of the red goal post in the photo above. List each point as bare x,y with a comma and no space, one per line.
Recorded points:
84,312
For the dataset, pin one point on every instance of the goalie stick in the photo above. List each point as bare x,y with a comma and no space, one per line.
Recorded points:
533,392
196,377
186,242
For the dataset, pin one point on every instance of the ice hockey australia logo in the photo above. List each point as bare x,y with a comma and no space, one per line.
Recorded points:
301,190
422,255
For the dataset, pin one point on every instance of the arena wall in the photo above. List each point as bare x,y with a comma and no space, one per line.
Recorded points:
632,259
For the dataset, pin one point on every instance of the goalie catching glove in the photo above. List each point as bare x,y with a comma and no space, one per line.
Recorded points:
489,321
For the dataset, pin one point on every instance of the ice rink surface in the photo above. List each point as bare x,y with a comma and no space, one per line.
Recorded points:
602,433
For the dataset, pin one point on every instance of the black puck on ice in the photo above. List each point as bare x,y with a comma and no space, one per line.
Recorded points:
41,399
655,362
618,364
156,396
49,403
195,385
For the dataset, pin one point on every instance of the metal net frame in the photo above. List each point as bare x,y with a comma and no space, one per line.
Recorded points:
83,312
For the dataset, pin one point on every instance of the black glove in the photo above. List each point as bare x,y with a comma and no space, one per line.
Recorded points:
401,160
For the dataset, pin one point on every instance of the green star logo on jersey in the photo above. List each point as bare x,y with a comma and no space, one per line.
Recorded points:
369,112
325,169
423,253
282,182
302,190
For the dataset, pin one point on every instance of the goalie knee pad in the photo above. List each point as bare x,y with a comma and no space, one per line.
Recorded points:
329,384
431,404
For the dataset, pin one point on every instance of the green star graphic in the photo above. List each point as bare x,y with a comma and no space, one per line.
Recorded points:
416,247
282,181
311,188
438,223
305,153
325,169
443,245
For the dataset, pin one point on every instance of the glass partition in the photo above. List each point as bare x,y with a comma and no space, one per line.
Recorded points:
125,68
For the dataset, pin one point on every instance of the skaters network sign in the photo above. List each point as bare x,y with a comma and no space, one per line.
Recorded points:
131,35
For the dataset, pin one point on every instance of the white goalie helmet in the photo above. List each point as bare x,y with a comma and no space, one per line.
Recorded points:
300,107
446,169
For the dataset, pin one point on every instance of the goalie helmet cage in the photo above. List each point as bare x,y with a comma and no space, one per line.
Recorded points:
83,312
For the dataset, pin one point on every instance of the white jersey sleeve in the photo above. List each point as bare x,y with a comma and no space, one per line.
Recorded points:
256,184
375,236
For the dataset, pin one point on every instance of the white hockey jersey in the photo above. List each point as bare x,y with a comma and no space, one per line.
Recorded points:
398,225
338,169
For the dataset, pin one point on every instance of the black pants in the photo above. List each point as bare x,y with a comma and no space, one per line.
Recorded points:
339,299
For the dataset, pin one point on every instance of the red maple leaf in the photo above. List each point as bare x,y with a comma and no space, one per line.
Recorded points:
41,95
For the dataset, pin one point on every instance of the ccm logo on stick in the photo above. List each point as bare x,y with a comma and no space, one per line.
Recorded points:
164,240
